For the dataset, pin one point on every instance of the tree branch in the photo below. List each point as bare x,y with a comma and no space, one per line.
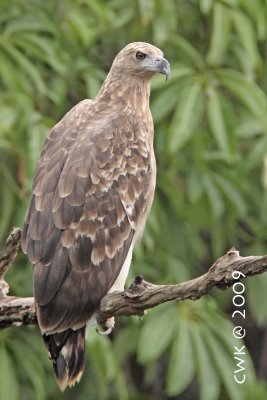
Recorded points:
141,295
7,256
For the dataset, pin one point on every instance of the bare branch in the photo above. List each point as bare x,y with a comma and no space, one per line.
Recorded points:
141,295
17,311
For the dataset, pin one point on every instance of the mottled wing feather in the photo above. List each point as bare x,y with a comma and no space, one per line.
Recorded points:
89,194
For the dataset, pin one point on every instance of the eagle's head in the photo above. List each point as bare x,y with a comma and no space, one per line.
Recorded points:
141,59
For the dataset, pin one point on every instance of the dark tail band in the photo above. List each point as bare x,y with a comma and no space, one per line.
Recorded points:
66,350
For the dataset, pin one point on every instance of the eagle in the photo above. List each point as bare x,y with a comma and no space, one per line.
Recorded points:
91,195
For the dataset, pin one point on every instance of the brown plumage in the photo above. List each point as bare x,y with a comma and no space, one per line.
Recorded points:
92,192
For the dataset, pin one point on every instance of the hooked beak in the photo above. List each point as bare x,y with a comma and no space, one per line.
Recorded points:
158,64
163,67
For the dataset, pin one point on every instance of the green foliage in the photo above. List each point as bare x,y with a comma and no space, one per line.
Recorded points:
20,354
198,341
210,138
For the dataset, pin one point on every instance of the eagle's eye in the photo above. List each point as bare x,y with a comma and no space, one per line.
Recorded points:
140,56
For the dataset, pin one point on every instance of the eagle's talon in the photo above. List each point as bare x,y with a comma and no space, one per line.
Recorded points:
142,314
109,325
106,332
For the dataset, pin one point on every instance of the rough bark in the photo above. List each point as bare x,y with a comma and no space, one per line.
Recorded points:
140,296
7,256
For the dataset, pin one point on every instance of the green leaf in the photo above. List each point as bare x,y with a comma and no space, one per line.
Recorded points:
181,365
178,72
257,297
93,85
157,332
22,62
164,103
83,31
257,153
164,23
248,129
220,34
36,138
216,120
126,341
186,117
168,186
31,366
195,185
247,36
257,11
232,193
248,92
224,364
7,207
106,365
41,48
9,79
8,381
206,6
7,118
214,196
30,23
189,51
222,331
146,8
205,369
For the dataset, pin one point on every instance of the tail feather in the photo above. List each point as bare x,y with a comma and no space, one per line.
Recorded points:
66,350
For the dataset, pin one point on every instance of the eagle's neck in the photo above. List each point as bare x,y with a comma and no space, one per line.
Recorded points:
126,91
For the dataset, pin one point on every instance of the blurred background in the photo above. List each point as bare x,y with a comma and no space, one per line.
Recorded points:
211,149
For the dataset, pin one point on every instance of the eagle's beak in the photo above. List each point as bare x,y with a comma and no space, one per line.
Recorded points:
157,64
163,67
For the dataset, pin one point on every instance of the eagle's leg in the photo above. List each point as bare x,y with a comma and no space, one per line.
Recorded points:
118,286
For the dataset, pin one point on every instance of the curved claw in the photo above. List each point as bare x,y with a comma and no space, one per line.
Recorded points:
109,324
106,332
